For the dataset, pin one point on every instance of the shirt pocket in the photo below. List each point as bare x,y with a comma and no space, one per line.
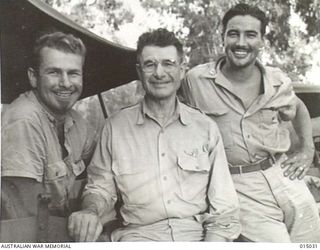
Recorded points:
55,181
268,126
134,184
269,117
193,176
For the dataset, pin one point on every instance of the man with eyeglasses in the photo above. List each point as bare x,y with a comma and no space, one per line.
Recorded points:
164,159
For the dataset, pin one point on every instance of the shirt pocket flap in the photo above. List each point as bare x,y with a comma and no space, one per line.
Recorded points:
56,170
196,164
216,111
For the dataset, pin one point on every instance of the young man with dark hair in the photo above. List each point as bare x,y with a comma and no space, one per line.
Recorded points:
249,102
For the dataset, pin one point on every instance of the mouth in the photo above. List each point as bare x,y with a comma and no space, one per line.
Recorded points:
240,53
159,83
64,94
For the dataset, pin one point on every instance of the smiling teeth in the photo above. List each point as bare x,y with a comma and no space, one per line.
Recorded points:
64,94
241,53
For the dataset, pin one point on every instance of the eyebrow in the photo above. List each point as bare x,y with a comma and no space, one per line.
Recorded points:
246,31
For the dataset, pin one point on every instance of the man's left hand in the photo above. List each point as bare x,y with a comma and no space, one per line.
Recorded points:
297,164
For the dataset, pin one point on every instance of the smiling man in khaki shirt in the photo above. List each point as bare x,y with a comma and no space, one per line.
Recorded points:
165,159
45,143
249,102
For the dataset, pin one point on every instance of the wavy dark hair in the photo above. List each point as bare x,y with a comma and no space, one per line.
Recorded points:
160,37
243,9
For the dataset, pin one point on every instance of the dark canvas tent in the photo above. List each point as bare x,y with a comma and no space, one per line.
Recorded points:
108,65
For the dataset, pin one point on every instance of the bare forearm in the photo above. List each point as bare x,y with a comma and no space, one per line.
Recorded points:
303,127
93,203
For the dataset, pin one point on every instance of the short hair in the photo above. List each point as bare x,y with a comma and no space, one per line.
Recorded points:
60,41
160,37
243,9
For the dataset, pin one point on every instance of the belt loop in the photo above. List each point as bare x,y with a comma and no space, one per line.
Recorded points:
240,169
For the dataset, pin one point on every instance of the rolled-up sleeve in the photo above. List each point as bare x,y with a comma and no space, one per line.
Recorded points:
100,176
223,216
23,152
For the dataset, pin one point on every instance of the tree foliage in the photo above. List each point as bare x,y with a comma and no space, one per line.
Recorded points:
102,16
203,19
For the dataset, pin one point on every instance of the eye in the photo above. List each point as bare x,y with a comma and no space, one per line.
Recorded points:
232,34
53,72
252,34
149,65
75,74
168,63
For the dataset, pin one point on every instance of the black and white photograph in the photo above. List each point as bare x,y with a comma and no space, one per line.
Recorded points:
160,121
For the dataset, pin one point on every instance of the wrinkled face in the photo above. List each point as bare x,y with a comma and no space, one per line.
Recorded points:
161,71
242,40
58,81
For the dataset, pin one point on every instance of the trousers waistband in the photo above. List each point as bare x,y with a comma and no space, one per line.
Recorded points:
261,165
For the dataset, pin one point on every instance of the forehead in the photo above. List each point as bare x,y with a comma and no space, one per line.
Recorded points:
245,23
152,52
54,57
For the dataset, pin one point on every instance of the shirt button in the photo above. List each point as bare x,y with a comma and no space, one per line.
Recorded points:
248,136
168,201
165,178
197,167
163,154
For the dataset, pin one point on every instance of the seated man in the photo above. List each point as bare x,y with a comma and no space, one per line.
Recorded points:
44,141
165,160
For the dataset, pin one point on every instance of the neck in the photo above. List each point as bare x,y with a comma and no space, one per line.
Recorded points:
163,110
238,74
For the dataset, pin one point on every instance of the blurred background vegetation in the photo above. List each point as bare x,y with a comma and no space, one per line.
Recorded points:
293,35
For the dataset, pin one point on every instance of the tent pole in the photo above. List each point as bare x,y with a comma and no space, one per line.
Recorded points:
102,105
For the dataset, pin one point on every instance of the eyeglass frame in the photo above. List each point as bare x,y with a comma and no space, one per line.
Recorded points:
174,65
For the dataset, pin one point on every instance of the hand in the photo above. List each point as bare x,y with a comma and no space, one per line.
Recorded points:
312,181
84,226
297,164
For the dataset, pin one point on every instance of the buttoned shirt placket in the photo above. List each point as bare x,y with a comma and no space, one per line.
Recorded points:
165,179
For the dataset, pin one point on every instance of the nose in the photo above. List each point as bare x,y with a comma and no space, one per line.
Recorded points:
64,80
159,70
241,40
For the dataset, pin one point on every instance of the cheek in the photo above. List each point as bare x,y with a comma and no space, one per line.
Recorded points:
79,85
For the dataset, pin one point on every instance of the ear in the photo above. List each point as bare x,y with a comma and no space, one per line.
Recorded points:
222,38
263,43
139,71
32,77
183,68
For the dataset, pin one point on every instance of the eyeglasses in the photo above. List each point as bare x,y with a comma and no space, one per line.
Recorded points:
168,66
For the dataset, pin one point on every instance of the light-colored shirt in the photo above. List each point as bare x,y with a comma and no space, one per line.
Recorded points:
248,134
30,148
175,171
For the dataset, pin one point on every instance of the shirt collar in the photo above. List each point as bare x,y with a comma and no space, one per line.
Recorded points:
214,72
179,113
